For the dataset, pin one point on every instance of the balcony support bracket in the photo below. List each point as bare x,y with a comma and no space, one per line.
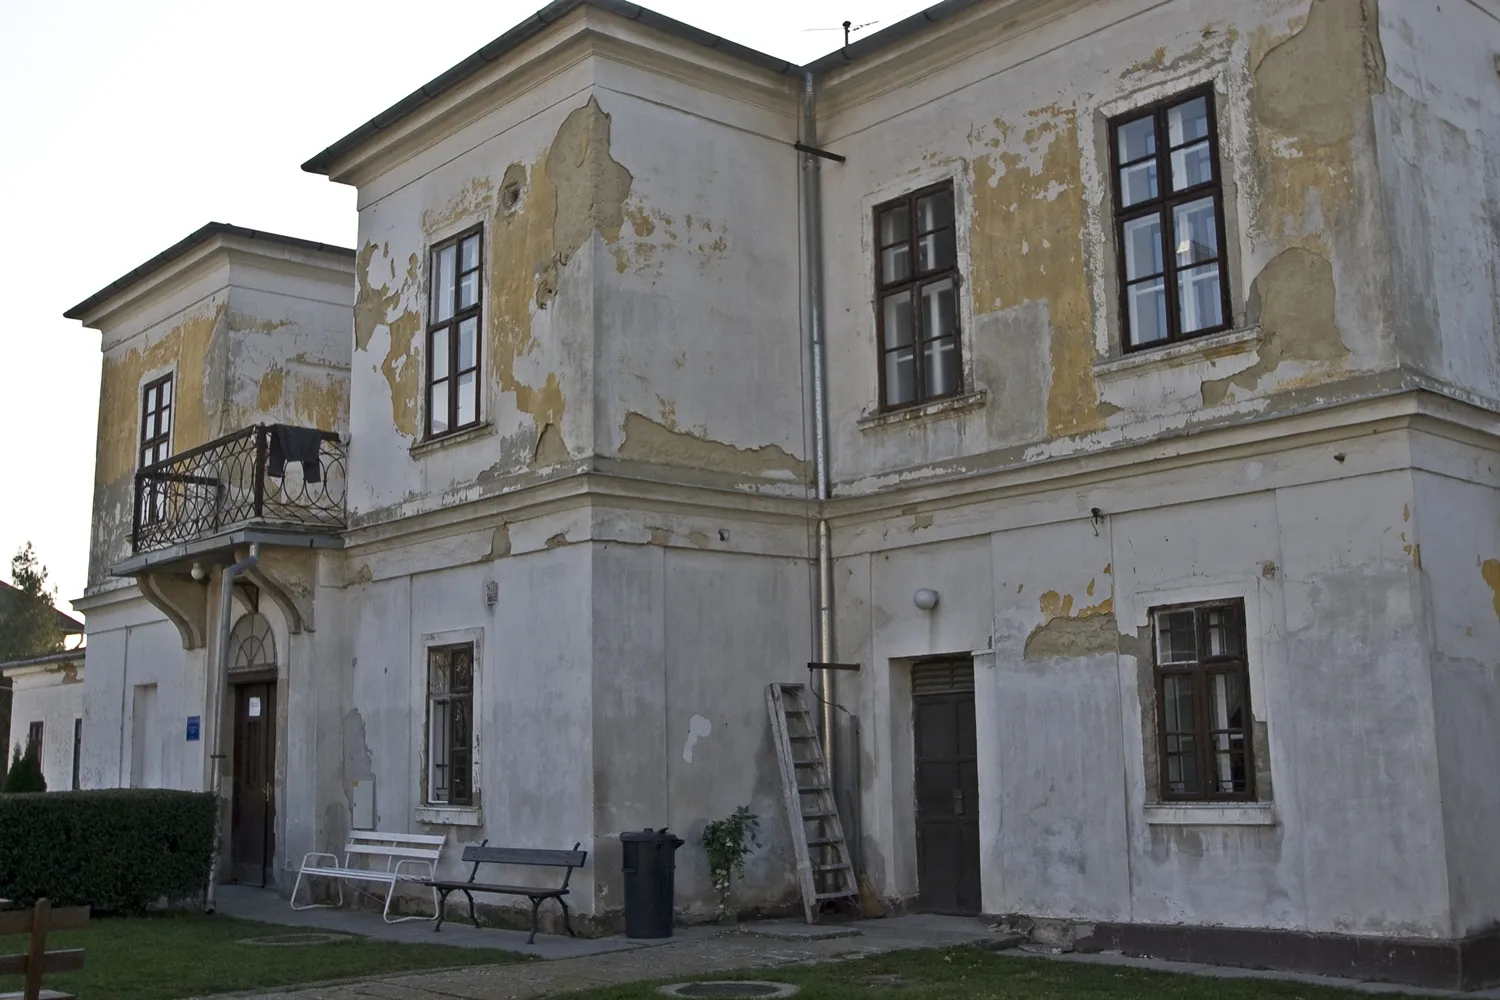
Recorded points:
182,600
288,577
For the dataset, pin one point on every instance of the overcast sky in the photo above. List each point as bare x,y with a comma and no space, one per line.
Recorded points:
124,126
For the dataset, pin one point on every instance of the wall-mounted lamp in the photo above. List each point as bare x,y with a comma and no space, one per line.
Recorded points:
925,599
1096,518
199,573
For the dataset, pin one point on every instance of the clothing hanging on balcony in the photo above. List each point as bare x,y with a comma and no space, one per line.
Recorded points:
295,444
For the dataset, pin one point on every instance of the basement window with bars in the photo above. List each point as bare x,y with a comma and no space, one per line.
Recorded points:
1203,702
1169,221
453,342
450,724
916,299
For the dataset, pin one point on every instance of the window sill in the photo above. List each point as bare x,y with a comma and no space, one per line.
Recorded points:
421,448
451,815
938,408
1212,814
1164,357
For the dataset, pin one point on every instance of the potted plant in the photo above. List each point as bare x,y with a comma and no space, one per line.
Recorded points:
726,842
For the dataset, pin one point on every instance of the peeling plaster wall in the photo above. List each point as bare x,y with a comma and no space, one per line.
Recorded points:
1016,120
52,696
1377,811
1438,122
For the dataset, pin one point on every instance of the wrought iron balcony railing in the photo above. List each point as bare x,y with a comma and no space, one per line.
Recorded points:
262,475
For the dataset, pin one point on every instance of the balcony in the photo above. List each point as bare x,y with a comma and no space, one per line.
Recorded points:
265,476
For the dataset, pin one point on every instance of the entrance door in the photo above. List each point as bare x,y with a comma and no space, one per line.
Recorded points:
253,808
947,787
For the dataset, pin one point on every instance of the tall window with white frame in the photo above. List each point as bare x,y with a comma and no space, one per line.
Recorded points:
453,342
1169,221
1203,702
156,442
916,298
450,724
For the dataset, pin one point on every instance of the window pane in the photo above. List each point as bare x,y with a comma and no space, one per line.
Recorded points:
466,399
460,779
935,212
898,319
1191,166
1136,139
467,340
442,284
900,377
941,358
437,365
438,751
1177,703
150,428
1187,121
895,263
437,671
1137,183
1143,256
470,254
437,417
1226,703
164,393
1223,632
894,225
1182,766
1176,637
935,251
939,316
1148,311
468,290
1198,298
1195,232
462,673
459,710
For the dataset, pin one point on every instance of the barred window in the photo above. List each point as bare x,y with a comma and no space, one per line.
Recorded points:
1203,702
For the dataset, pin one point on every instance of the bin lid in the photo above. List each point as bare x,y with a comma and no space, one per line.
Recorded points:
649,836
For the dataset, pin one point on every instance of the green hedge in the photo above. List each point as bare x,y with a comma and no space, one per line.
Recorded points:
113,849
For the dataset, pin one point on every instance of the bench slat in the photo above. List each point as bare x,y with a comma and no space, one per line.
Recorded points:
513,890
70,918
524,856
398,838
66,960
367,874
393,852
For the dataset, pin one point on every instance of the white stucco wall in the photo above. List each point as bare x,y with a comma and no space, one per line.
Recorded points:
52,695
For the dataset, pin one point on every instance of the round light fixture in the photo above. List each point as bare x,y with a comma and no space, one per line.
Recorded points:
925,599
199,573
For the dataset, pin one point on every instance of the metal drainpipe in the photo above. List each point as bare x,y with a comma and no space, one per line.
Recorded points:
215,709
824,680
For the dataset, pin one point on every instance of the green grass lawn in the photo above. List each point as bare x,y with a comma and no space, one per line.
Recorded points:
189,955
970,974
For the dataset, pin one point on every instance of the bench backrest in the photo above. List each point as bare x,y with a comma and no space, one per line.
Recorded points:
38,922
393,847
486,855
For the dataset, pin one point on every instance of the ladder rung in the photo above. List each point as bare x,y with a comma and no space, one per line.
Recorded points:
832,868
802,736
843,894
825,842
817,815
812,788
806,763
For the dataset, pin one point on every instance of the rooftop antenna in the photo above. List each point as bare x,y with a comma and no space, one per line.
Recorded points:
849,29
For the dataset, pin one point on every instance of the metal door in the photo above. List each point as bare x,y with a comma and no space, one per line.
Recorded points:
947,787
253,809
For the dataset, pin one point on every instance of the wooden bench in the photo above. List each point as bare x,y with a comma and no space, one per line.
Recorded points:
38,921
408,857
485,855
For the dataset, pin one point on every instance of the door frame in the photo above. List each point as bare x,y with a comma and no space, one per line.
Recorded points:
237,681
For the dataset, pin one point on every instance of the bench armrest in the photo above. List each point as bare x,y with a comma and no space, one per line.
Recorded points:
413,861
319,854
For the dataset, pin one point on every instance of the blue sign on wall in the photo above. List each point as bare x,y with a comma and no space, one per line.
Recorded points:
192,729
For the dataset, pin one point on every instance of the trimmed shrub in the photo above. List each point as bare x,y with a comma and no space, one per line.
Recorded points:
114,849
25,774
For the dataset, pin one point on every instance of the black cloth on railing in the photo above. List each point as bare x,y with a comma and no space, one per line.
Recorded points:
295,444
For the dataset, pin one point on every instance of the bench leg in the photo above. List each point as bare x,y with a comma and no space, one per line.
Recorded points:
474,919
315,906
568,923
536,904
442,906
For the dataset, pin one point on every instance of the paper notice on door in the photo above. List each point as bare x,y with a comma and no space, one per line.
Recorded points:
254,708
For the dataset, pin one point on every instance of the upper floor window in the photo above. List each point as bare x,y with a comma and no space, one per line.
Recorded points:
1203,702
453,334
1169,221
156,421
916,298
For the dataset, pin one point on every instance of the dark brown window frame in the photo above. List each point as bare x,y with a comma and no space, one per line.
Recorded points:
449,328
163,412
35,732
914,281
77,750
1201,670
466,750
1162,205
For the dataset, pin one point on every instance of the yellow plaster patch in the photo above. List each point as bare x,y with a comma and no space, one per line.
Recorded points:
268,393
1490,571
646,440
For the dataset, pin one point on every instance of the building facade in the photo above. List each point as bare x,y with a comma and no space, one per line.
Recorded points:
1158,350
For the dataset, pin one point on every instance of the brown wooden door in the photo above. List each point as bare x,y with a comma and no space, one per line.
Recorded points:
253,808
947,787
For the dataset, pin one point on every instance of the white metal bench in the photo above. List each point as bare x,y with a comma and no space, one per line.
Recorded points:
409,857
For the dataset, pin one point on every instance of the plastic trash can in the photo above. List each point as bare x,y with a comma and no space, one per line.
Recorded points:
650,867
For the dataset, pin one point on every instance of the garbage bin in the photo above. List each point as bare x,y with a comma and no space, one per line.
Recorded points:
650,867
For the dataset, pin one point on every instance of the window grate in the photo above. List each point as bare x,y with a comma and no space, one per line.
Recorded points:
944,677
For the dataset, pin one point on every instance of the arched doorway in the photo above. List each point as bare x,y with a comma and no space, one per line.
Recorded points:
252,826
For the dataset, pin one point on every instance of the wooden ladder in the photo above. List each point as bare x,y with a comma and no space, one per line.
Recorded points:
823,868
